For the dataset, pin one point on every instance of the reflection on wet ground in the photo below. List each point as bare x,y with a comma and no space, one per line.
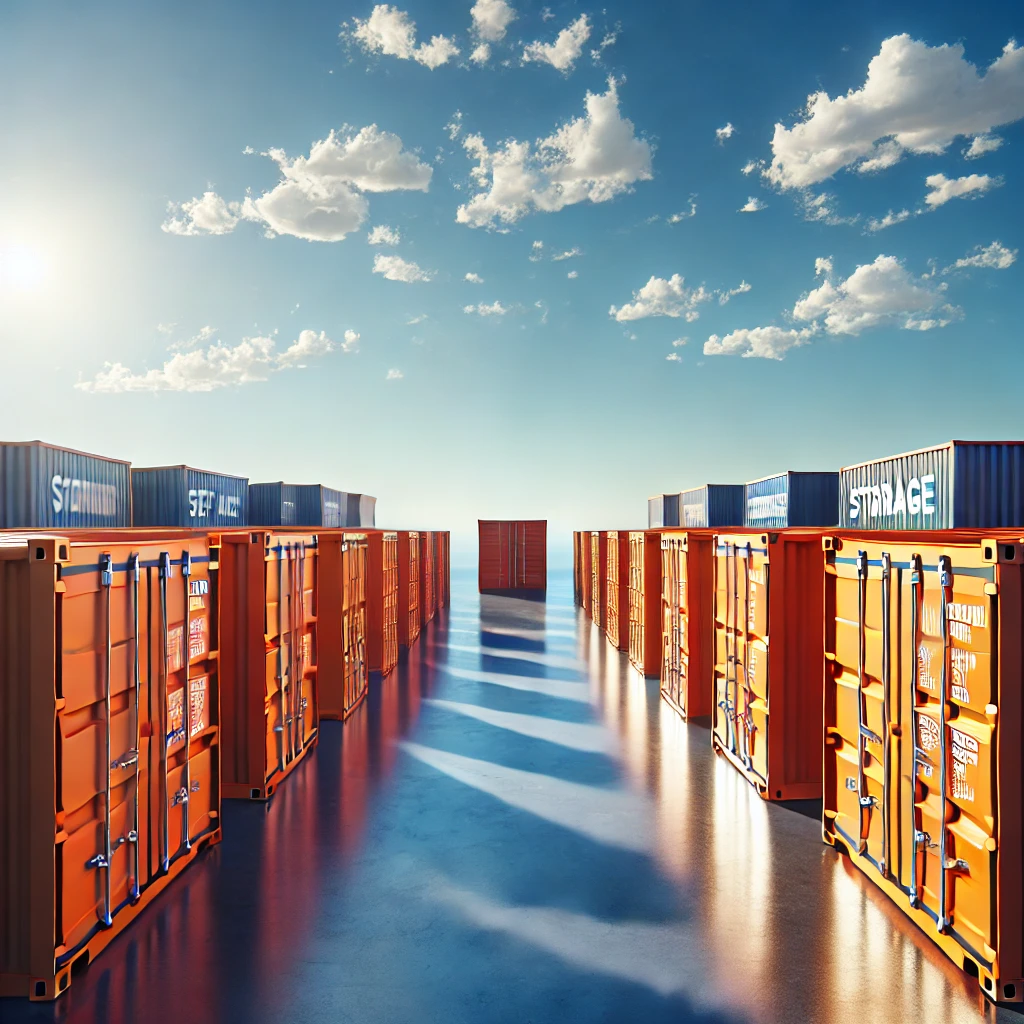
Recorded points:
516,828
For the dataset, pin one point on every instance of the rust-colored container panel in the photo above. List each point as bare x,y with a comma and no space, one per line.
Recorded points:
428,584
687,621
645,607
586,564
513,555
408,587
446,566
923,735
342,671
616,625
768,604
598,578
382,601
271,647
109,708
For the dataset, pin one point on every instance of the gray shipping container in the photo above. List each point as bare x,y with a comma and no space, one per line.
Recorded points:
361,510
43,487
662,510
957,485
792,499
189,498
302,505
712,505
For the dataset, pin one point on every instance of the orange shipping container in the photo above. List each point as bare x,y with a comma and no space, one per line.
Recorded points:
408,587
645,608
768,693
924,729
382,601
109,710
687,632
270,642
343,670
586,584
598,578
616,625
428,593
513,555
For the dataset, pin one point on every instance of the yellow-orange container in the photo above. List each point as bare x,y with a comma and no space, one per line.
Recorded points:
616,626
687,630
924,723
768,654
645,609
408,587
271,642
109,728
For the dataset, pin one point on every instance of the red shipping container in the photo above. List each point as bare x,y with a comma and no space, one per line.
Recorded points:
428,593
598,578
513,555
381,600
616,625
645,608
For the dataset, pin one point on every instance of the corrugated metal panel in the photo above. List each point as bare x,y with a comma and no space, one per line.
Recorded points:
190,498
352,509
958,485
712,505
367,510
333,507
663,510
44,487
273,504
792,499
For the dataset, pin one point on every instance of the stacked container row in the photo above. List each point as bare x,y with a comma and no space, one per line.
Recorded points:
513,555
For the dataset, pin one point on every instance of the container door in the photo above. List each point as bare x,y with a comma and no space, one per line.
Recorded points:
672,604
864,790
595,577
636,600
102,801
951,664
611,625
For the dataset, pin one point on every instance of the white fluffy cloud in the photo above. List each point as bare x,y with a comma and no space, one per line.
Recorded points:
394,375
662,297
474,278
384,235
982,144
740,289
942,189
394,268
674,357
491,19
752,205
880,224
758,342
392,32
208,215
592,158
750,166
875,294
481,55
725,132
351,342
822,265
565,50
573,274
320,197
995,256
677,218
487,309
216,366
916,99
568,254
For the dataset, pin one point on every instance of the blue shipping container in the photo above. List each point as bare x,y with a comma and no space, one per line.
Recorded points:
712,505
957,485
361,510
281,504
792,499
43,487
662,510
189,498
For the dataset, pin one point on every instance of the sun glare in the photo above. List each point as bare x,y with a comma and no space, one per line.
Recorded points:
22,268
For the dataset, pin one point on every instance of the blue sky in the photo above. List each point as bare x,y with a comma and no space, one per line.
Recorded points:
247,330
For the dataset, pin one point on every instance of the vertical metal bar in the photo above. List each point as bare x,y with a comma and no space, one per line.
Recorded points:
165,571
106,582
734,552
299,601
862,579
748,719
281,671
133,835
886,706
186,640
919,837
946,585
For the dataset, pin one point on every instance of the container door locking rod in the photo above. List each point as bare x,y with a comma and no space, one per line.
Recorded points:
281,672
886,707
946,584
166,570
186,714
748,718
921,839
133,835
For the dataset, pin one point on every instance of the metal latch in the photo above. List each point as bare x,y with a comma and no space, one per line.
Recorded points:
862,563
106,570
130,757
851,784
181,797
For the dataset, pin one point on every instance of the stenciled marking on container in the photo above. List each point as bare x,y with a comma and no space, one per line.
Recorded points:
963,663
174,648
197,591
886,499
768,506
87,497
202,502
196,637
175,716
964,618
928,739
198,717
925,679
965,755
